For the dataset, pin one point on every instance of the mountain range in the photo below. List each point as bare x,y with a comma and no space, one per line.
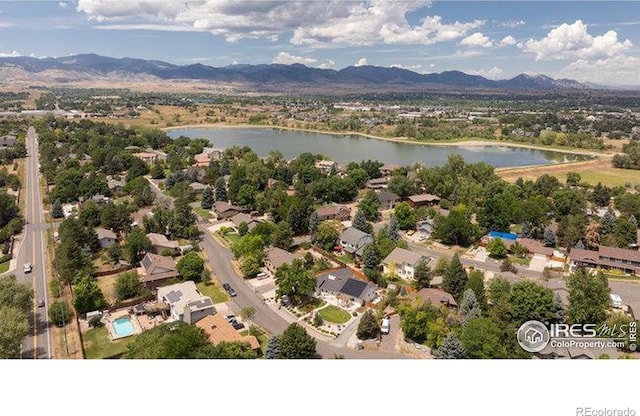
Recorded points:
267,77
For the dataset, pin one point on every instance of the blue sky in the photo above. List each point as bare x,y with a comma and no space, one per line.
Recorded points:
589,41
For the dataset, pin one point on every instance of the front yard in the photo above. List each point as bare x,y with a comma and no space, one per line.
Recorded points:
4,266
334,314
214,291
315,303
97,344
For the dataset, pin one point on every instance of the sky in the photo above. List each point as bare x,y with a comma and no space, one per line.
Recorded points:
590,41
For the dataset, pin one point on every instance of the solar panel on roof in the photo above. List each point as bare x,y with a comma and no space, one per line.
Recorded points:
174,296
353,287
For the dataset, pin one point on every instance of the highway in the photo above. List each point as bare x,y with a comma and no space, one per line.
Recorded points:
32,250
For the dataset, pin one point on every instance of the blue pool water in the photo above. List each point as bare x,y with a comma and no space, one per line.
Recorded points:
123,326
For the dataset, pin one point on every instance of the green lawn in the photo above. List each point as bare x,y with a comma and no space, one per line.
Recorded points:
4,266
517,260
203,213
334,314
214,291
97,344
346,258
232,238
311,305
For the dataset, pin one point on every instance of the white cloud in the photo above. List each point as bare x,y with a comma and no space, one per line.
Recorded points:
6,24
493,73
338,22
508,41
477,39
167,28
361,62
287,59
414,68
619,70
63,4
513,23
12,54
572,41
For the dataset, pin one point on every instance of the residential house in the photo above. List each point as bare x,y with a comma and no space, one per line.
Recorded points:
197,187
100,199
220,330
186,303
387,199
327,166
607,258
334,212
226,210
202,160
435,297
275,257
137,217
543,257
156,270
160,243
147,157
377,183
115,186
388,169
70,210
8,141
106,237
353,240
402,263
422,200
345,284
246,218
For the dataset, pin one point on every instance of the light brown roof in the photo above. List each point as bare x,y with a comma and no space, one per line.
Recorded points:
435,296
619,253
104,233
219,330
162,241
278,256
534,246
400,255
152,261
145,155
423,198
242,217
331,210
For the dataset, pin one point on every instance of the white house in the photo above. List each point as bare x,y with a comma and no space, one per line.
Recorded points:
402,263
186,302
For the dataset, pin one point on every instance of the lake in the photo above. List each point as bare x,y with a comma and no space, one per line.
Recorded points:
345,149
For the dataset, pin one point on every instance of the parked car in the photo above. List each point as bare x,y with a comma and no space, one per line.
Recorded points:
27,268
386,324
236,325
229,317
261,275
40,303
227,287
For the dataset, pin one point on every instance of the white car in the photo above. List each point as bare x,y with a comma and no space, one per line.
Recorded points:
385,326
27,268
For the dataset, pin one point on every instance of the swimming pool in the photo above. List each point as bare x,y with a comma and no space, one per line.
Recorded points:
123,327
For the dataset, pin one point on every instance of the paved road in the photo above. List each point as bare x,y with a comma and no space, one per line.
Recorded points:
38,343
220,258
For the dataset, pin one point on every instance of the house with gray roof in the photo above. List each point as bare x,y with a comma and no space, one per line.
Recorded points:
156,270
402,263
353,240
161,243
275,257
224,209
246,218
186,303
106,237
8,141
345,284
387,199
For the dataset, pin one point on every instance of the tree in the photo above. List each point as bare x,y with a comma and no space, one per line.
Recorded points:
469,307
115,217
476,283
549,238
451,349
394,228
455,228
191,266
592,235
295,343
14,326
571,229
59,313
369,205
294,281
361,223
608,223
135,244
297,218
272,350
625,232
282,237
573,178
56,209
370,257
499,297
70,258
221,190
243,228
226,350
601,195
496,248
422,275
14,294
128,286
157,171
401,185
326,236
314,222
207,198
405,215
247,313
250,265
482,338
588,297
169,341
87,295
530,301
508,266
183,220
455,278
368,327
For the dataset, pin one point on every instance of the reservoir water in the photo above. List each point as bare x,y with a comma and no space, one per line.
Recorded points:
345,149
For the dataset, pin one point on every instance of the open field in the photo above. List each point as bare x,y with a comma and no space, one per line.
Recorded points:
592,172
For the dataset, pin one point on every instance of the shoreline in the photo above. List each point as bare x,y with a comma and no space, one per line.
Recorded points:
462,143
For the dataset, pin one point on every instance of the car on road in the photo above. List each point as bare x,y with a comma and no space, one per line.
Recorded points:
40,303
27,268
261,275
227,287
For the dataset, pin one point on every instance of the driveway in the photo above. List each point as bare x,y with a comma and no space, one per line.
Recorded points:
391,341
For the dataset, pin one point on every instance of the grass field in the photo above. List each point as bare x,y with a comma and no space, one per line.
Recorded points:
4,266
214,291
334,314
232,238
97,344
202,213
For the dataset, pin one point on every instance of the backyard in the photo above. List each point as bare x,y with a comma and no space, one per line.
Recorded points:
334,314
97,344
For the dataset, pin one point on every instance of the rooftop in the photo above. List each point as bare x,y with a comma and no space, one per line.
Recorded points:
400,255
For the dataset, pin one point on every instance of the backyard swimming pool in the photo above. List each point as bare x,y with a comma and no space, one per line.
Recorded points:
123,326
